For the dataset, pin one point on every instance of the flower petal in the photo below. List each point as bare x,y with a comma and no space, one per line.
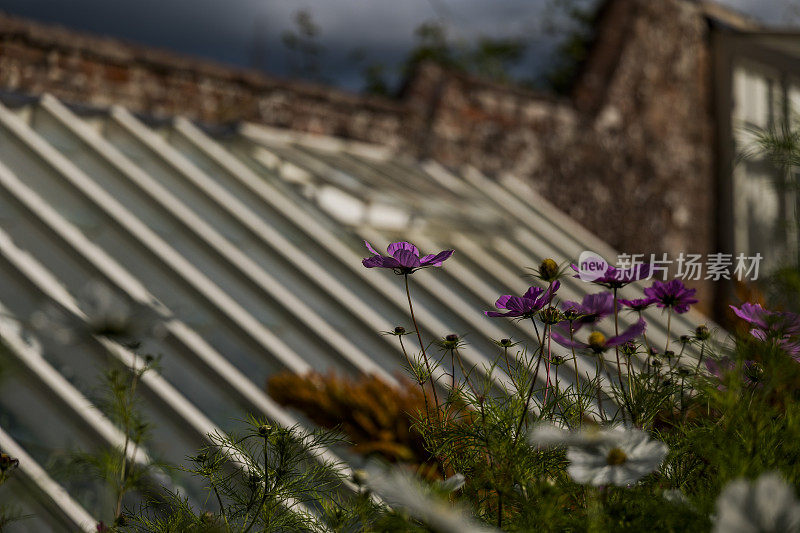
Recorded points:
533,292
402,246
495,314
565,342
631,333
436,260
547,297
370,248
380,261
502,302
407,258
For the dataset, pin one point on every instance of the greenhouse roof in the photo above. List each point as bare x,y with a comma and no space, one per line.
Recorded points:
245,245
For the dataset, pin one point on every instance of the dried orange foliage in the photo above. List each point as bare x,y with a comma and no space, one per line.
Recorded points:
376,416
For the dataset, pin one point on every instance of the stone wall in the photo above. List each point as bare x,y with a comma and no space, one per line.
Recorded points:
630,155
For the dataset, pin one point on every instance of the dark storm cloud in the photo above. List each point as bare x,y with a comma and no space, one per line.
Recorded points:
238,31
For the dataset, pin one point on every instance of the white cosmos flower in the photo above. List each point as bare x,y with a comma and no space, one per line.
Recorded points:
620,456
766,505
400,489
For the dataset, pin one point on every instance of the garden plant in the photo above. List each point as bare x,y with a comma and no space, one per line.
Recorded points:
700,432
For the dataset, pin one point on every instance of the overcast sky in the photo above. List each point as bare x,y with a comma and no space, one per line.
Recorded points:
237,31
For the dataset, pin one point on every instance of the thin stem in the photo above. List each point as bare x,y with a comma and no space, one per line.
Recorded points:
616,332
422,347
466,374
221,507
599,388
421,384
524,414
644,336
669,327
700,359
577,376
264,498
128,405
508,367
682,382
547,366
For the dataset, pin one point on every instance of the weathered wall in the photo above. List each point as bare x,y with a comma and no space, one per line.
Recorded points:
630,155
36,58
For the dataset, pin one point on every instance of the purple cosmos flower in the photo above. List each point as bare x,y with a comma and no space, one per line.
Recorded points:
673,295
527,305
640,304
768,323
777,325
598,343
404,258
593,308
752,372
615,278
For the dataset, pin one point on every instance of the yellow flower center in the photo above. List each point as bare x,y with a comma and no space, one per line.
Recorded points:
597,341
616,457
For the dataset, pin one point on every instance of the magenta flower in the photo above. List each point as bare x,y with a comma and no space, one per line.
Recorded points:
598,343
593,308
640,304
527,305
404,258
672,295
616,278
791,347
769,325
752,372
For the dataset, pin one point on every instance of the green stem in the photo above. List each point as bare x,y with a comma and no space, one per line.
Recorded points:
422,347
266,492
669,327
524,414
700,359
616,332
411,366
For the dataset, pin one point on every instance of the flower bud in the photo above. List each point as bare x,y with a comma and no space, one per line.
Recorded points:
550,315
399,330
451,338
505,343
548,270
702,333
265,430
629,348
